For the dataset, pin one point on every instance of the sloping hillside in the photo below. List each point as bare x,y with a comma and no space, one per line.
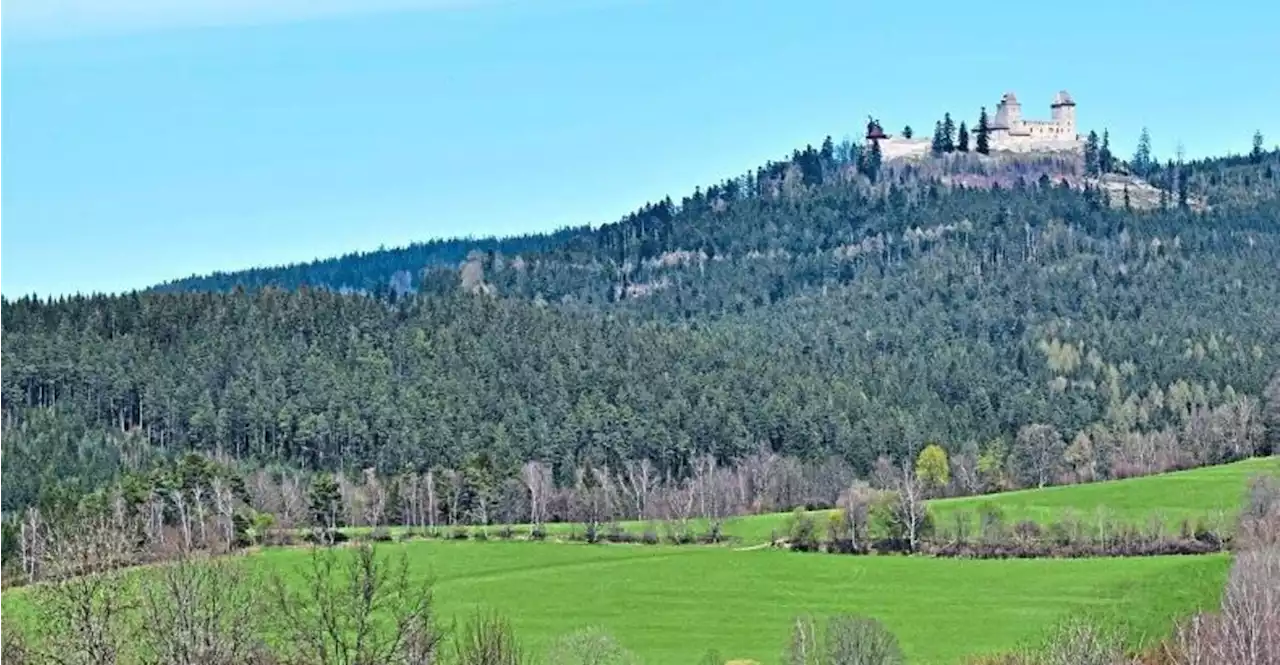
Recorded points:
805,309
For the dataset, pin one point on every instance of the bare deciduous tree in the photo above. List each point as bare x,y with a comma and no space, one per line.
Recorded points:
855,514
1037,454
199,610
84,607
537,479
756,472
355,607
637,480
375,503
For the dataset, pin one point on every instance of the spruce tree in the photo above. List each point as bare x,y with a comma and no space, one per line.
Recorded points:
984,131
1142,156
907,132
874,157
1183,176
1091,154
948,133
1106,161
939,144
1271,415
326,502
962,139
1256,153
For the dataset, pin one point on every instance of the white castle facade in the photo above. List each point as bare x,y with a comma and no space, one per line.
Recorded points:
1008,131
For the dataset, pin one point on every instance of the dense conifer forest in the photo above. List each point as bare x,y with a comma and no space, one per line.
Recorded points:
823,307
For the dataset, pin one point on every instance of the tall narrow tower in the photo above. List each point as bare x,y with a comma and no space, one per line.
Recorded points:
1009,111
1064,113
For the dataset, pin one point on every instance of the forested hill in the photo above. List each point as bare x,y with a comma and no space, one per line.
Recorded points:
377,272
767,210
822,313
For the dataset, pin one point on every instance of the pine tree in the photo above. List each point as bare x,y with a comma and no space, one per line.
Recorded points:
907,132
948,133
939,144
871,159
1106,162
1256,153
1183,176
984,131
962,139
1091,154
827,153
1271,416
326,502
1142,156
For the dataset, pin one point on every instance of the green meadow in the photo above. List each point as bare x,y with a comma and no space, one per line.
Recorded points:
671,605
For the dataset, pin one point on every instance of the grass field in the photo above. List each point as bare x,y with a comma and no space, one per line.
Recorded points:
672,604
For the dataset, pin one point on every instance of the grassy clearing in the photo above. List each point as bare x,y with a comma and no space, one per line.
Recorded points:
670,605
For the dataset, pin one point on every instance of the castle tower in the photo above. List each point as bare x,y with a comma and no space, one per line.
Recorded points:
1064,113
1011,110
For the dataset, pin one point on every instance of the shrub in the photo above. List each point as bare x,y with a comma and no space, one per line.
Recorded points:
326,537
845,640
650,535
488,640
506,532
1026,530
802,531
1076,642
679,533
991,522
13,645
589,647
855,640
714,533
481,534
591,533
380,534
539,532
460,533
614,533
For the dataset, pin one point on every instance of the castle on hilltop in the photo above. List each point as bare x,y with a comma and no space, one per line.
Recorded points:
1007,131
1008,126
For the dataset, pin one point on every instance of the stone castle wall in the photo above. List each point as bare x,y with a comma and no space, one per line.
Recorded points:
1014,133
898,147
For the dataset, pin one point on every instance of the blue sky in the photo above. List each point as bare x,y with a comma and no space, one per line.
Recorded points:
152,139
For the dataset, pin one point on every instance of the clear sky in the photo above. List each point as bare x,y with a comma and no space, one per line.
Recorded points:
153,139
